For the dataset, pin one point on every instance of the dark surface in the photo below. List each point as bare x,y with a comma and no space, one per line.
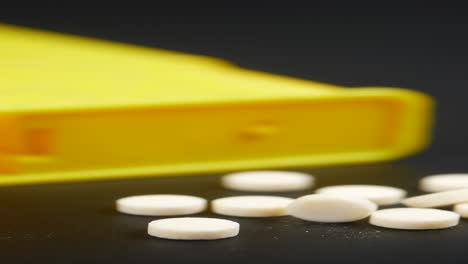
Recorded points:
77,222
417,47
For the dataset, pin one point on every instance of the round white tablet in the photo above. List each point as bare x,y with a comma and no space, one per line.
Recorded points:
462,209
193,228
161,205
331,208
437,199
443,182
268,181
381,195
414,218
251,206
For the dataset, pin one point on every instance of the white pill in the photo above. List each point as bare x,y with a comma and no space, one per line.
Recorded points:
268,181
193,228
161,205
381,195
331,208
414,218
443,182
251,206
437,199
462,209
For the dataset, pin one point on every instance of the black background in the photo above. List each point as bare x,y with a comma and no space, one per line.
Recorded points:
418,47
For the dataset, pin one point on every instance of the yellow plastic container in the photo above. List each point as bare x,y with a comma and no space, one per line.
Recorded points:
73,108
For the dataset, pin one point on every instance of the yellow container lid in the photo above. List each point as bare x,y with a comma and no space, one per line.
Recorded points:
74,108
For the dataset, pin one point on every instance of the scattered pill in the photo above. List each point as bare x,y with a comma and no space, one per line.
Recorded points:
161,205
193,228
443,182
331,208
268,181
437,199
251,206
414,218
381,195
332,204
462,209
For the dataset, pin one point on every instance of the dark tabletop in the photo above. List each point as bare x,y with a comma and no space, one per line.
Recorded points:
415,47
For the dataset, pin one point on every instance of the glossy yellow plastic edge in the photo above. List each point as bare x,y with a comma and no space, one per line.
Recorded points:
411,135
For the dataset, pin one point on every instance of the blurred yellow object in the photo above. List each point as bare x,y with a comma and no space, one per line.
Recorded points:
73,108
